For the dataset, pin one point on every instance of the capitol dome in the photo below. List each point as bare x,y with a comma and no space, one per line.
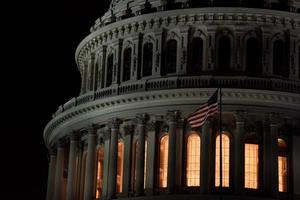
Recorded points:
145,67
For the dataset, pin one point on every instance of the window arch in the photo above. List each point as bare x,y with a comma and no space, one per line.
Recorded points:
282,166
224,53
127,64
171,56
120,166
163,161
147,59
225,161
197,56
109,69
193,160
100,160
251,163
280,66
253,57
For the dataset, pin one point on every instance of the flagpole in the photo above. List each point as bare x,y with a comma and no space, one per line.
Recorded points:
220,131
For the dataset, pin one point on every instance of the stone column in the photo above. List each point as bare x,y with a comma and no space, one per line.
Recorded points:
106,163
274,122
58,186
72,166
113,158
205,157
51,175
140,158
89,186
240,117
270,165
172,117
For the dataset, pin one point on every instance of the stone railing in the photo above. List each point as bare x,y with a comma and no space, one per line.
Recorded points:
184,82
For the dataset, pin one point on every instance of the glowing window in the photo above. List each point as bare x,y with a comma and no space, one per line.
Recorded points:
120,166
163,161
100,172
193,160
251,166
282,166
225,161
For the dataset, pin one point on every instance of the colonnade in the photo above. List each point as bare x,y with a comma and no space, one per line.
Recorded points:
62,186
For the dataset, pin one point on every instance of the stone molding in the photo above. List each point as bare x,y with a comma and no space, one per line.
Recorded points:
194,96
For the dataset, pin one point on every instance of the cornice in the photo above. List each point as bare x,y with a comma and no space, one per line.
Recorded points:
170,99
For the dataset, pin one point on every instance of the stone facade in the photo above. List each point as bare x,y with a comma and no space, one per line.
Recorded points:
147,65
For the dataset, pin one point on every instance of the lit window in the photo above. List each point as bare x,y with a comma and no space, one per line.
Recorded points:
193,160
163,161
282,166
251,166
100,172
120,166
225,161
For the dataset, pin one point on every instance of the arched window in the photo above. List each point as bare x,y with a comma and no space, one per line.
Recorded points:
251,166
127,64
224,54
163,161
280,66
171,56
100,159
110,65
193,160
147,59
120,166
282,166
253,57
225,161
197,56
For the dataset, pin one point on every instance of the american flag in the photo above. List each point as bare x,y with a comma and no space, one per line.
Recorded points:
198,118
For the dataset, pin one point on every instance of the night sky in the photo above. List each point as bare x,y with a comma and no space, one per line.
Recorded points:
38,74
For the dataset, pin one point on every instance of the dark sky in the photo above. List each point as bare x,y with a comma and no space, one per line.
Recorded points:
39,73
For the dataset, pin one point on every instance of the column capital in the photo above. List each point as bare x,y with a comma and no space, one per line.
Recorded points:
274,118
128,128
151,126
74,135
142,118
114,123
92,129
61,143
173,116
240,115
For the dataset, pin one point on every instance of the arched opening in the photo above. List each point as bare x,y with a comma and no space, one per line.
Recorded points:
280,66
100,160
225,160
193,160
120,166
224,54
163,161
109,68
171,56
127,64
253,57
147,59
197,56
282,166
251,164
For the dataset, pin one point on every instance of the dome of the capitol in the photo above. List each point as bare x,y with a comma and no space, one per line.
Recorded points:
182,99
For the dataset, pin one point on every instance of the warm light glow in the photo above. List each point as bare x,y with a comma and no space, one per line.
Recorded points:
120,166
100,172
193,160
225,161
251,166
282,174
282,166
145,166
163,161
